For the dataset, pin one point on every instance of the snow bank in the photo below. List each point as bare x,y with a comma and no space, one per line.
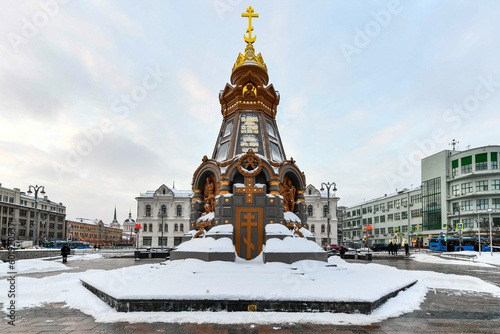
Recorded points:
277,229
32,266
222,245
292,245
221,229
292,217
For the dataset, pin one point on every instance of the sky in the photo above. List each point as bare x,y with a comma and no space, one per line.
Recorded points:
103,100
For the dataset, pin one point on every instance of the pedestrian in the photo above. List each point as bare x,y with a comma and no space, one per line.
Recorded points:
342,252
407,249
95,247
390,248
65,251
395,249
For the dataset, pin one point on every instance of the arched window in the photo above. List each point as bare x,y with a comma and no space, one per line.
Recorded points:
310,191
166,227
176,227
164,192
309,211
322,228
312,228
325,210
150,227
145,227
159,227
164,209
182,227
148,210
179,210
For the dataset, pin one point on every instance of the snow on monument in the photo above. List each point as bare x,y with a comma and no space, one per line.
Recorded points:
248,191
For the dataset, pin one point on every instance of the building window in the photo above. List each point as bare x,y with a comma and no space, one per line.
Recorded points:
482,161
390,230
495,203
150,227
162,241
404,202
323,228
376,220
369,209
176,228
310,211
416,198
382,230
382,207
455,190
468,222
396,203
375,208
382,219
312,228
454,168
481,185
404,215
431,197
494,162
404,228
467,188
482,204
325,210
145,227
159,228
164,209
397,216
148,210
495,184
310,191
466,165
146,241
390,217
182,227
389,205
467,205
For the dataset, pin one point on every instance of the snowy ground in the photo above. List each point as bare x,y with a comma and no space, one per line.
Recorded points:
485,260
66,287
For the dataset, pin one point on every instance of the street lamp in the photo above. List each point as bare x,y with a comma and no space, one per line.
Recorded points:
162,213
44,220
328,186
459,210
491,237
35,188
479,221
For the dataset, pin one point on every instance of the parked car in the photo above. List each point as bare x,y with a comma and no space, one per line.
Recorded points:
379,247
335,247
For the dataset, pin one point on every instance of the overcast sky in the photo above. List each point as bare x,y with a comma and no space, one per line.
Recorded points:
103,100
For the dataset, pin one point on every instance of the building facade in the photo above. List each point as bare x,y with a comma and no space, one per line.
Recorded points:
93,231
316,202
457,187
169,204
17,211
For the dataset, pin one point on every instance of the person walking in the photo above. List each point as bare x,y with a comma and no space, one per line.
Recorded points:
390,248
395,249
65,251
407,249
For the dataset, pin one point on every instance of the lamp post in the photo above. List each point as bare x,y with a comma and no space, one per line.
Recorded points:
491,237
459,210
162,213
328,185
479,221
35,188
44,220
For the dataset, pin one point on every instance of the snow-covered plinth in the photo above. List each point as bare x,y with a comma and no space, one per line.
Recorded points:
189,285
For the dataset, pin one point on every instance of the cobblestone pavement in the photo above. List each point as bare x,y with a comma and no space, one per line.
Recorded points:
443,311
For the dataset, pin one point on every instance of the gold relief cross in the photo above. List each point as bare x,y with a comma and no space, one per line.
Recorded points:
249,223
249,14
249,190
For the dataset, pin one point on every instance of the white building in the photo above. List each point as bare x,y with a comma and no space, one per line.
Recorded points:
175,206
457,187
317,214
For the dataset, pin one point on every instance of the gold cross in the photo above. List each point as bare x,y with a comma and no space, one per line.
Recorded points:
249,223
249,190
249,39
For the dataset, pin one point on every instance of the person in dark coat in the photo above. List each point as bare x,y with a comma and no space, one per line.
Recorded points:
395,249
65,251
389,248
407,250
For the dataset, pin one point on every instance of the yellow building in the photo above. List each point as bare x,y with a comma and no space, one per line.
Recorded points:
93,231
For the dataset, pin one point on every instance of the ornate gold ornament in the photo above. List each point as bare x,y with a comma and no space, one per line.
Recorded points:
209,194
201,227
249,91
296,227
288,192
249,164
249,14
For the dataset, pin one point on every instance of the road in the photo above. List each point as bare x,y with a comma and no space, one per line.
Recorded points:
443,311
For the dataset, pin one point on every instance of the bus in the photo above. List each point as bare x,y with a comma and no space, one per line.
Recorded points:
468,243
72,244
